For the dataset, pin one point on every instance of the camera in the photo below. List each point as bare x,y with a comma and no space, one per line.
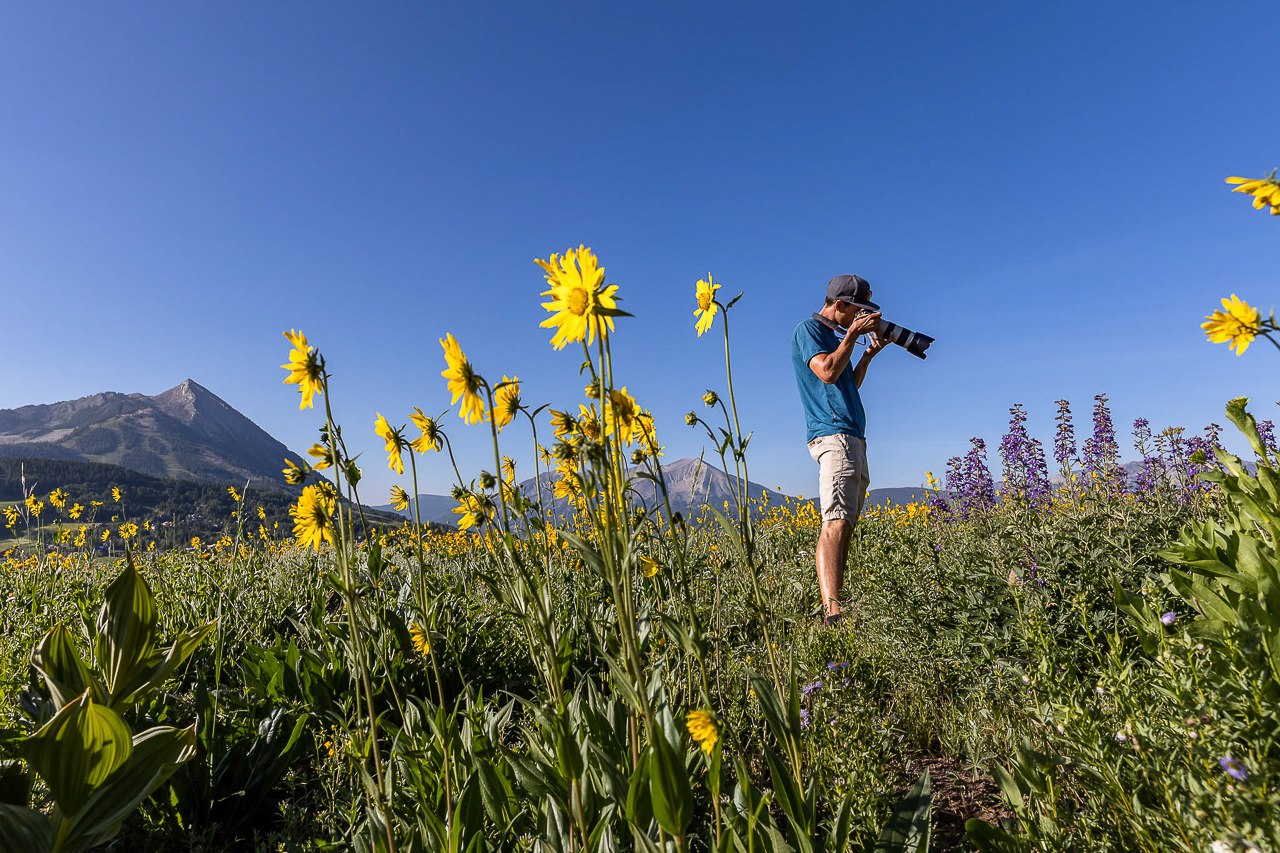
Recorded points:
913,342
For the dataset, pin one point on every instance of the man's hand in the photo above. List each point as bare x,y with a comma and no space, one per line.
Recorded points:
864,324
876,343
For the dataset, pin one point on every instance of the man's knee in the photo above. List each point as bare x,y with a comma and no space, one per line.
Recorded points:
837,528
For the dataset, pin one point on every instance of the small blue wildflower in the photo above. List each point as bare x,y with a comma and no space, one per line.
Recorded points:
1233,768
836,667
810,689
804,719
1168,618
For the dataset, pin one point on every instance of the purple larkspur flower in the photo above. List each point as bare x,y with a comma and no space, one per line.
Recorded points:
1233,768
1064,442
1101,451
1167,619
1026,477
804,719
810,689
1267,432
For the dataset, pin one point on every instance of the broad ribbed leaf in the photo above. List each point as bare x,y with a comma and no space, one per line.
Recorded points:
77,750
25,830
669,790
908,828
157,752
126,631
152,672
58,660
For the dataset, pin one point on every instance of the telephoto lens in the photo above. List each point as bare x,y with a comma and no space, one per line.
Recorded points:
913,342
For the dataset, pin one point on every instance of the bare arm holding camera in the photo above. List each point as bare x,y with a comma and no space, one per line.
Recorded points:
829,365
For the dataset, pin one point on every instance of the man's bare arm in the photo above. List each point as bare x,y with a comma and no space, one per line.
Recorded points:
828,366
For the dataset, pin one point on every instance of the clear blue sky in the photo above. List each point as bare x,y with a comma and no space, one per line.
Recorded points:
1039,186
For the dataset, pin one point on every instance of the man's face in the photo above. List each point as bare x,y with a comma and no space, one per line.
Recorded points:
846,312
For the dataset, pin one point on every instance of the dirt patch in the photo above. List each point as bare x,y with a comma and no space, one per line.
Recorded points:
960,791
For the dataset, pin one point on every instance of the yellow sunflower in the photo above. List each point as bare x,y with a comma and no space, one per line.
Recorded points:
563,423
506,401
568,484
649,566
313,517
578,295
322,453
1237,324
588,422
703,729
295,474
421,639
432,438
1265,191
707,308
399,498
475,511
508,469
464,383
620,414
395,442
305,369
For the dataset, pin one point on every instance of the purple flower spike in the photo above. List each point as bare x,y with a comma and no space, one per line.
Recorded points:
804,719
1168,618
1233,768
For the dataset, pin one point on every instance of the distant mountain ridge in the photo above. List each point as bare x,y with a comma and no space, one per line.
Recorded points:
186,433
691,483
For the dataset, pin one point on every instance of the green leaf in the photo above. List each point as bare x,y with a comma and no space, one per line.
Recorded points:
668,785
77,750
908,828
127,635
153,672
24,829
157,752
988,838
58,660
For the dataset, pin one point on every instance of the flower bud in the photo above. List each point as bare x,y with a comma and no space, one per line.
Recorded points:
486,480
691,419
710,398
592,389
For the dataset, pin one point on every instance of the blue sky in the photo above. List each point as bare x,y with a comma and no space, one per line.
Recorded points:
1038,186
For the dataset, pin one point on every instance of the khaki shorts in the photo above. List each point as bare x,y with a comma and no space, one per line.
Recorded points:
842,475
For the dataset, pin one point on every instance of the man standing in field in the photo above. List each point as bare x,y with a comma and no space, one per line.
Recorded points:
835,420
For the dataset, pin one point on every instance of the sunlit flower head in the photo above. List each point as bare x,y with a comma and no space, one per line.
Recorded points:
313,517
421,639
75,511
703,729
588,422
711,398
649,566
116,494
506,401
58,498
394,440
399,498
645,430
324,456
578,297
568,484
432,438
235,496
128,530
508,469
295,474
11,516
620,414
464,383
305,368
475,511
563,423
1237,324
707,308
1265,191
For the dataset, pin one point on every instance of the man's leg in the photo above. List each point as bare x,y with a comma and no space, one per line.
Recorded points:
833,551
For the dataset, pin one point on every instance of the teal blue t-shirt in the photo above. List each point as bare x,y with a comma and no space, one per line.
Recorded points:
833,409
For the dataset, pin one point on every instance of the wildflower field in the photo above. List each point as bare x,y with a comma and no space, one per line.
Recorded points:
1090,662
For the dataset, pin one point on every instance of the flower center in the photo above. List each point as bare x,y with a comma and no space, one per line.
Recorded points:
704,301
578,301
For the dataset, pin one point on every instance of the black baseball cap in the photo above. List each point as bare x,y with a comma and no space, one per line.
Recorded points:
852,289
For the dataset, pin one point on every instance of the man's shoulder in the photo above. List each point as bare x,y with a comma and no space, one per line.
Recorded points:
809,332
